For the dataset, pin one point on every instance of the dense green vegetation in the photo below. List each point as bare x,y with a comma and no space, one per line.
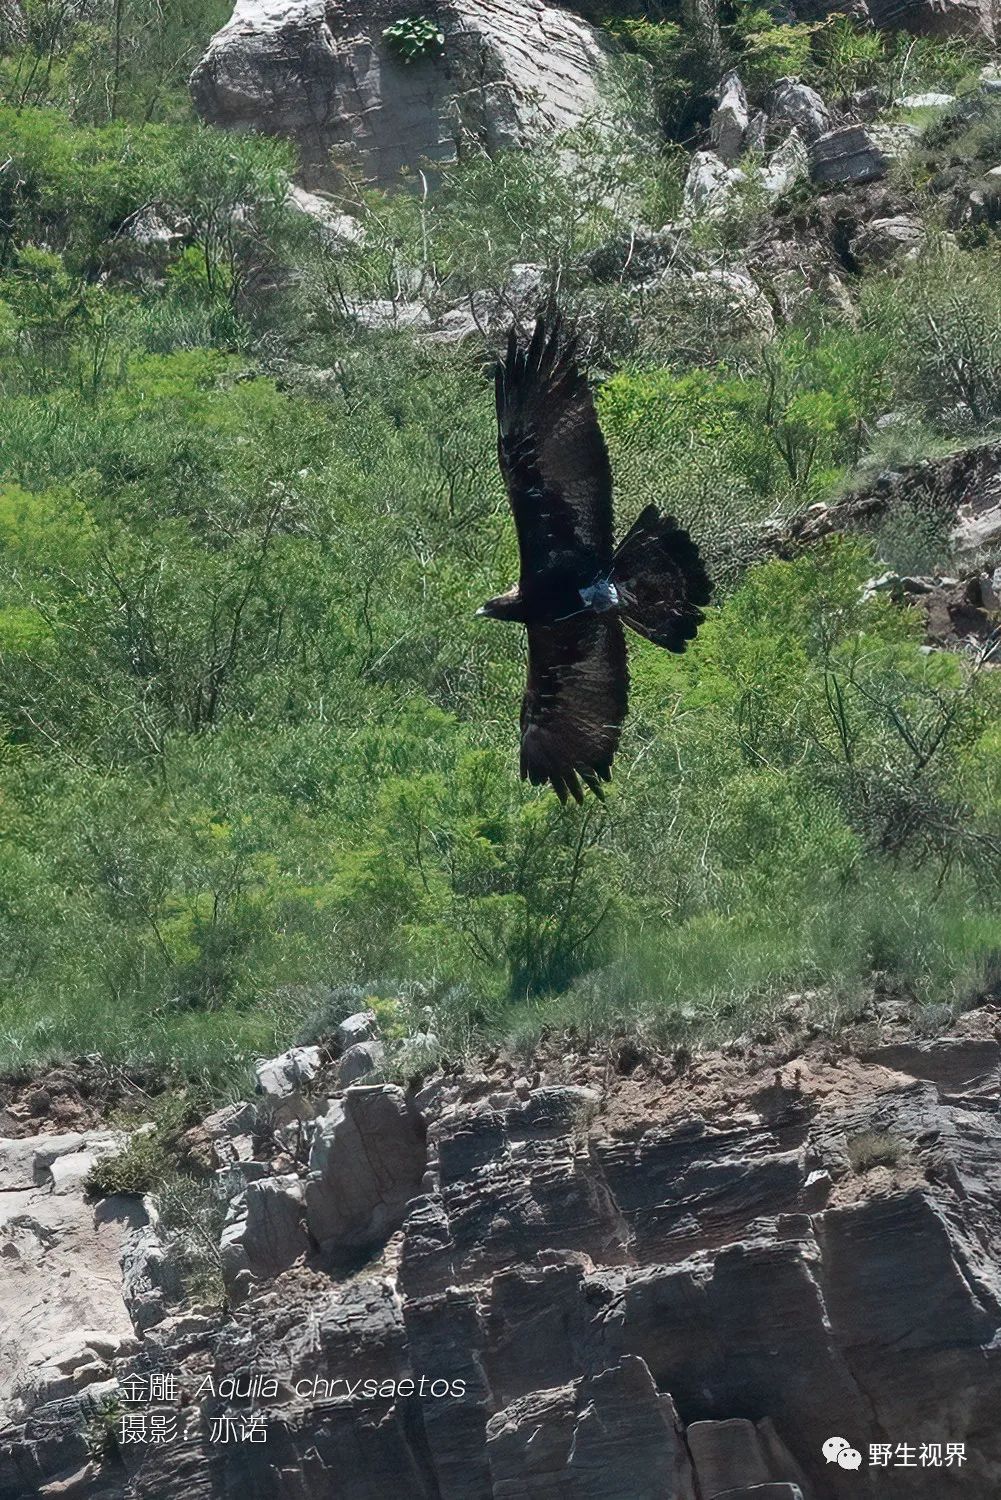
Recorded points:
254,747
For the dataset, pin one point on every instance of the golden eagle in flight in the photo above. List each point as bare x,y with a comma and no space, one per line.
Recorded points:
576,587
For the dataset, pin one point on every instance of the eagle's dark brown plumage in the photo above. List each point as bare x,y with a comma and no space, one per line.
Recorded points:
576,588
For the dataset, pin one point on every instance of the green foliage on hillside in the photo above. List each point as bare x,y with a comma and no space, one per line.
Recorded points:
254,743
109,60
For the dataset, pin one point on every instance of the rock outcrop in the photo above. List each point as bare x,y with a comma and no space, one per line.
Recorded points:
796,104
710,186
321,73
63,1316
882,241
847,154
961,614
671,1279
973,19
366,1163
960,495
730,120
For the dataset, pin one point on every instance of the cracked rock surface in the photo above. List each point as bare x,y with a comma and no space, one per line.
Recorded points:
636,1275
319,72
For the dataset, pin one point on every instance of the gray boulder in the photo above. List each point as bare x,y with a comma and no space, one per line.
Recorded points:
58,1162
152,1279
788,164
978,512
321,73
357,1028
223,1138
144,245
279,1077
757,132
282,1080
366,1162
149,230
709,186
928,100
265,1235
795,103
884,240
729,300
848,154
484,312
336,231
737,1457
17,1164
895,141
975,20
383,313
362,1058
730,119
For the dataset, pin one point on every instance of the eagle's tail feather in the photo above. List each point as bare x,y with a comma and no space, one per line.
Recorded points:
661,580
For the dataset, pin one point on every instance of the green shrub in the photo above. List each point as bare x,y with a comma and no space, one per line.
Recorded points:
192,1212
875,1148
138,1168
849,57
326,1007
127,61
944,314
414,38
682,66
770,50
100,1430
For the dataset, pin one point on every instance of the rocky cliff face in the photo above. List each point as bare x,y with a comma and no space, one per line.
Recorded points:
320,72
977,19
623,1274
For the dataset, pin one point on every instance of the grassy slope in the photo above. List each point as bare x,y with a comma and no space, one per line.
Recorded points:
255,747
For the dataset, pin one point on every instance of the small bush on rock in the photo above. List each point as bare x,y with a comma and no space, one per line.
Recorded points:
874,1148
414,38
138,1168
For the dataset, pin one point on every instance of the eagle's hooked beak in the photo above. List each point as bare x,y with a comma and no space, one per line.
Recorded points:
502,606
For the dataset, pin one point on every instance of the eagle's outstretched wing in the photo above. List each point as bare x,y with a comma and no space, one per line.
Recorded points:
552,454
574,703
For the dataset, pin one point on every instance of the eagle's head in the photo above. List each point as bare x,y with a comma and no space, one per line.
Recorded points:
506,606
